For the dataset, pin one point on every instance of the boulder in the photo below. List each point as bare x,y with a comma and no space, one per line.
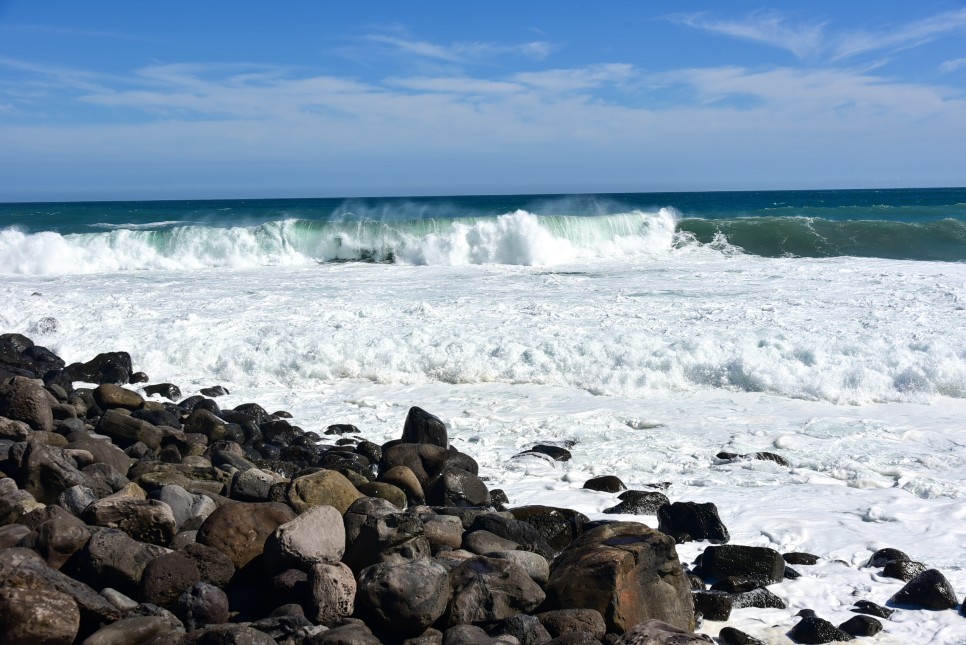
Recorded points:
427,461
332,589
46,472
486,590
405,479
317,535
24,399
109,367
732,636
558,527
404,598
202,604
385,491
111,558
872,609
254,484
58,537
883,556
904,570
458,487
638,502
861,626
605,484
108,396
126,430
228,634
324,487
524,534
423,427
812,629
562,621
240,529
687,521
534,564
166,577
626,571
189,509
525,628
145,520
928,590
138,629
483,542
390,537
214,566
29,616
752,562
166,390
443,532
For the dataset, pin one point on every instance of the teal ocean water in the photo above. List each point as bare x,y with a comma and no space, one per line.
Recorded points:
911,224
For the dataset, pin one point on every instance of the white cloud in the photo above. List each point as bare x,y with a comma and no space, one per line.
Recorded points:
581,78
463,52
766,27
809,40
950,66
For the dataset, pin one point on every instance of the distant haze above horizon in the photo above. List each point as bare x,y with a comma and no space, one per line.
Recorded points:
183,100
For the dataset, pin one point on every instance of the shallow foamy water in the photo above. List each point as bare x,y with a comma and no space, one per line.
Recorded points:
854,370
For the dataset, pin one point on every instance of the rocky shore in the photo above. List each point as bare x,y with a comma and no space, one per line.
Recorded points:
132,514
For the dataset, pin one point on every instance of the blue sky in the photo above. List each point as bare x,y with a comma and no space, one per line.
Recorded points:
116,99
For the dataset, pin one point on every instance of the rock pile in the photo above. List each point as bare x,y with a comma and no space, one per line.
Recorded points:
131,520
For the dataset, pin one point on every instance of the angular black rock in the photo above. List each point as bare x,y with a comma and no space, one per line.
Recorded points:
754,562
861,626
639,502
812,629
882,556
423,427
872,609
686,521
605,484
800,558
732,636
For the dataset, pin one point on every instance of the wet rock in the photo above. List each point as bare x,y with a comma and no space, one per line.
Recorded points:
205,422
713,605
108,396
29,616
332,592
861,626
427,461
423,427
213,391
325,487
458,487
24,399
404,598
639,502
904,570
605,484
558,527
732,560
883,556
626,571
872,609
928,590
240,529
109,367
202,604
800,558
687,521
760,598
317,535
167,390
488,589
812,629
732,636
341,429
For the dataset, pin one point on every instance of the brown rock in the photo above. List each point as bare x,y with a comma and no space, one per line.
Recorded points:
37,617
108,396
405,479
626,571
324,487
145,520
239,530
24,399
333,591
167,577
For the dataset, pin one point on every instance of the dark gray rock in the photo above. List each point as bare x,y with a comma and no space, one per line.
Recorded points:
202,604
605,484
800,558
872,609
145,520
46,472
883,556
23,399
713,605
928,590
458,487
732,636
109,367
29,616
136,630
404,598
166,577
557,527
639,502
904,570
812,630
167,390
861,626
656,632
562,621
228,634
390,537
519,531
126,430
756,563
687,521
423,427
111,558
525,628
487,590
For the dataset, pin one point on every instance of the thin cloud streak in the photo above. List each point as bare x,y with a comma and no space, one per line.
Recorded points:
462,52
765,27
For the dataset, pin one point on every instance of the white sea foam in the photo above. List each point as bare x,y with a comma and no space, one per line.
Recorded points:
855,371
518,238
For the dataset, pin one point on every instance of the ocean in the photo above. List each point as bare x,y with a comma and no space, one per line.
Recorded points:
649,332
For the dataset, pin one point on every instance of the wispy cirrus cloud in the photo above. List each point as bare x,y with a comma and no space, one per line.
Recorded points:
765,27
461,52
818,40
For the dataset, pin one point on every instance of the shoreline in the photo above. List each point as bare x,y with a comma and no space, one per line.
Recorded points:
171,445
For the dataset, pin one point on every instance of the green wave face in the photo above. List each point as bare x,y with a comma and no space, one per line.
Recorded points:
937,240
